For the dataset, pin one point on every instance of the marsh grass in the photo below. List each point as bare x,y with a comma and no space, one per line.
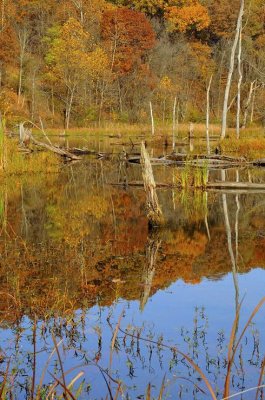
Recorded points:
249,147
18,163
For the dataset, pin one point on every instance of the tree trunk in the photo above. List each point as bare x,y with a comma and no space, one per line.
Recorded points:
251,90
152,119
23,38
174,124
240,77
253,103
69,108
231,68
208,115
33,95
191,136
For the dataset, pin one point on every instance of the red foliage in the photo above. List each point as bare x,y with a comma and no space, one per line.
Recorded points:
128,36
8,46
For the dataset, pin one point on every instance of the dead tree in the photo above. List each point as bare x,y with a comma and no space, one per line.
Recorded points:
240,77
152,118
26,137
191,136
175,122
154,212
231,68
247,106
208,114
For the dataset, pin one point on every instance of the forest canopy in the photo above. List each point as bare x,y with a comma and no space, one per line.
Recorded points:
81,62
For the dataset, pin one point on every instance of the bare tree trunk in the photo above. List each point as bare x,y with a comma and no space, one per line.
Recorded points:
164,111
33,95
23,38
69,107
191,136
240,77
154,212
220,85
208,115
250,93
231,68
253,103
79,5
152,118
174,124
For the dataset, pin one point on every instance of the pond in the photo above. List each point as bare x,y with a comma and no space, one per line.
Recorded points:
126,306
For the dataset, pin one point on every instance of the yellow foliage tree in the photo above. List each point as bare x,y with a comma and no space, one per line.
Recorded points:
189,15
72,60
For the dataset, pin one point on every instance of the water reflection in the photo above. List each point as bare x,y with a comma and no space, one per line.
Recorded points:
76,251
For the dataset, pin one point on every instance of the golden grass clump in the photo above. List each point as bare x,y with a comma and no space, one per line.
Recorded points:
16,162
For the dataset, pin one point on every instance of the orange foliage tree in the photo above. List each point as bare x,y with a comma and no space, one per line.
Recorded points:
188,15
128,36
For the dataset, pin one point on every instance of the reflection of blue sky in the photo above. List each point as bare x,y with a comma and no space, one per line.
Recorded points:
165,313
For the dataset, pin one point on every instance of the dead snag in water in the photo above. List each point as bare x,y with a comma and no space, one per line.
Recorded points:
191,137
26,134
154,212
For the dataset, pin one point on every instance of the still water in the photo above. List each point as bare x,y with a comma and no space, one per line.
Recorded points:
80,268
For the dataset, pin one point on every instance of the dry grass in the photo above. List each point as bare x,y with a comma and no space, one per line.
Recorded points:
17,162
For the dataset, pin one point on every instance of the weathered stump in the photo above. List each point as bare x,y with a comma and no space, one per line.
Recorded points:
154,212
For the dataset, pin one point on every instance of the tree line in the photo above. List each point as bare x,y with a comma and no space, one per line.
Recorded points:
83,62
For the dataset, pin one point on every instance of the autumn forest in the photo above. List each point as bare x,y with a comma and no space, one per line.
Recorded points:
84,62
132,212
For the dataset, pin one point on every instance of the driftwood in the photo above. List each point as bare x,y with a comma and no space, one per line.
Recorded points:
56,150
26,137
154,212
79,152
212,161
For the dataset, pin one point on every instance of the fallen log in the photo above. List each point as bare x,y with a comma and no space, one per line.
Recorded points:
56,150
259,163
26,137
213,157
216,186
235,185
79,152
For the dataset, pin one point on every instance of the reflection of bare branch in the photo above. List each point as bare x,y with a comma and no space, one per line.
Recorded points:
236,223
152,249
206,216
229,243
24,226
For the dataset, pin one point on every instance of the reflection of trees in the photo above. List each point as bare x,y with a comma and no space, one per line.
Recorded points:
69,254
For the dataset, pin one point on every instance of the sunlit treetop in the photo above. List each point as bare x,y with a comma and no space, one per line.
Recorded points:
189,15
